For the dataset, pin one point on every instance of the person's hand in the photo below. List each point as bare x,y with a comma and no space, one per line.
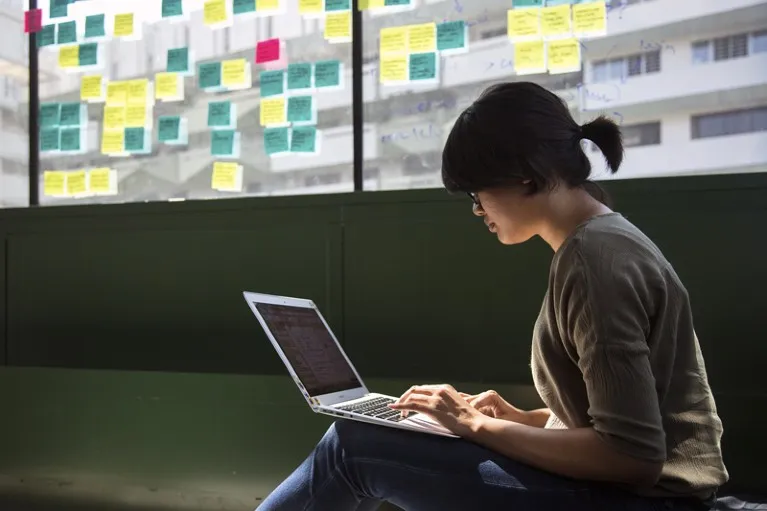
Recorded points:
490,403
443,404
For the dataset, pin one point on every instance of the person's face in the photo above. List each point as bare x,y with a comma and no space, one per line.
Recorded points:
509,213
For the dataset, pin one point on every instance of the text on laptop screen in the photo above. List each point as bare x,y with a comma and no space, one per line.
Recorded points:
309,347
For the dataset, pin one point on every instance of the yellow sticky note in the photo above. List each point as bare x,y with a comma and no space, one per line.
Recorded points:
564,56
113,142
92,87
267,5
136,116
137,91
338,25
371,4
100,180
393,40
524,24
76,182
114,117
556,21
311,6
214,12
529,57
123,24
226,176
590,18
422,38
167,85
273,111
233,72
117,93
54,183
394,68
69,56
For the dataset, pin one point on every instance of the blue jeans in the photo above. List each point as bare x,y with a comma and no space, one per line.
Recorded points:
356,466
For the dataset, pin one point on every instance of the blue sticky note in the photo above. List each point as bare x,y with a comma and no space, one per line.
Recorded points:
276,140
71,114
67,32
58,8
243,6
224,143
171,8
272,83
209,75
136,140
46,36
70,139
299,76
327,73
94,26
527,3
88,54
423,66
50,114
220,114
169,128
178,60
391,3
303,139
451,35
49,139
300,109
338,5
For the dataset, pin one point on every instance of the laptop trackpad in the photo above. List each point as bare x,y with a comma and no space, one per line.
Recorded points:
425,421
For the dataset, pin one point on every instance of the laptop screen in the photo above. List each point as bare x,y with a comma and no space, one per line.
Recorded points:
309,347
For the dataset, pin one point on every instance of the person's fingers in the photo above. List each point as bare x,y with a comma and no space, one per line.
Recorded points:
416,402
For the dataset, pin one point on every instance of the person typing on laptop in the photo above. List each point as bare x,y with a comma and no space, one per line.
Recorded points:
630,422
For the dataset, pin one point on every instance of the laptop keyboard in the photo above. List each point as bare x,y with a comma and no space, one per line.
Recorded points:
375,407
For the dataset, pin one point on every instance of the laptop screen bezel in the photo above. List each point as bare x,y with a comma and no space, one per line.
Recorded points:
314,400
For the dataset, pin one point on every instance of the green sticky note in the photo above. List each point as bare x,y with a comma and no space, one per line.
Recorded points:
178,60
276,140
338,5
69,139
303,139
223,142
209,75
299,76
171,8
327,73
527,3
272,83
169,128
423,66
50,114
67,32
220,114
243,6
300,109
392,3
88,54
94,26
451,35
46,36
135,140
58,8
49,139
71,114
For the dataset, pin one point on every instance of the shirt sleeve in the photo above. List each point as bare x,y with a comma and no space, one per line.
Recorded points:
606,323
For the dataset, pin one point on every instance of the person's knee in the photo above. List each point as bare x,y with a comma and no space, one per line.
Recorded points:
351,437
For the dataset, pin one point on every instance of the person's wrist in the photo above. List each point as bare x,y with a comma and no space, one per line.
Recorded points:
516,415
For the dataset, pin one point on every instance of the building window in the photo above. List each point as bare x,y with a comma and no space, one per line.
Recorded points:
759,42
734,122
729,47
621,68
701,52
637,135
322,179
652,62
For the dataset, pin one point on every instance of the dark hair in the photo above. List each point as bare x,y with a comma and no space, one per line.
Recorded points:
519,131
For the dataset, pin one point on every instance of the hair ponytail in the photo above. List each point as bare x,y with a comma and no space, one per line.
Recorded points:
607,137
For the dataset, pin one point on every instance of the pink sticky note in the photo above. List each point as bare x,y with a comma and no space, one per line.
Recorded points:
33,21
267,51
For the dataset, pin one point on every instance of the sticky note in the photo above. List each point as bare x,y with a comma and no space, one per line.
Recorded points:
169,128
92,88
58,8
451,35
303,139
33,21
114,117
556,21
227,176
113,142
88,54
300,109
70,140
310,6
46,36
123,25
171,8
72,114
268,5
169,86
69,56
527,3
564,56
76,183
272,83
234,73
243,6
423,66
529,57
299,76
393,40
66,32
100,180
136,140
221,114
117,93
54,183
338,25
209,75
138,91
224,143
49,139
214,12
178,60
267,51
394,3
327,73
50,114
524,24
272,111
136,116
394,69
338,5
95,26
371,4
590,19
422,38
276,140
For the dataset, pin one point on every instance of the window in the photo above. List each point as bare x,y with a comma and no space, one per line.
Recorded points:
701,52
636,135
759,42
729,123
623,67
729,47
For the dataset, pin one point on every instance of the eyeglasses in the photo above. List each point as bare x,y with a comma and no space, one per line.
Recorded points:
475,199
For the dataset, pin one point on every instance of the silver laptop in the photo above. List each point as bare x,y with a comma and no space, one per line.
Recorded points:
324,374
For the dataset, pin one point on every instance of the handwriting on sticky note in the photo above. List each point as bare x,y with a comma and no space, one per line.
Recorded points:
267,51
327,73
393,40
66,32
49,139
136,116
227,176
100,180
422,38
273,111
423,66
272,83
92,88
451,35
69,56
71,114
172,8
338,26
50,114
276,140
58,8
76,183
135,140
224,143
214,12
524,24
54,183
590,19
394,69
527,3
123,24
33,21
529,57
310,6
338,5
209,75
243,6
113,141
88,55
303,139
169,128
138,91
220,114
95,26
299,76
46,36
268,6
234,73
168,86
117,93
556,21
177,60
300,109
564,56
114,117
70,140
